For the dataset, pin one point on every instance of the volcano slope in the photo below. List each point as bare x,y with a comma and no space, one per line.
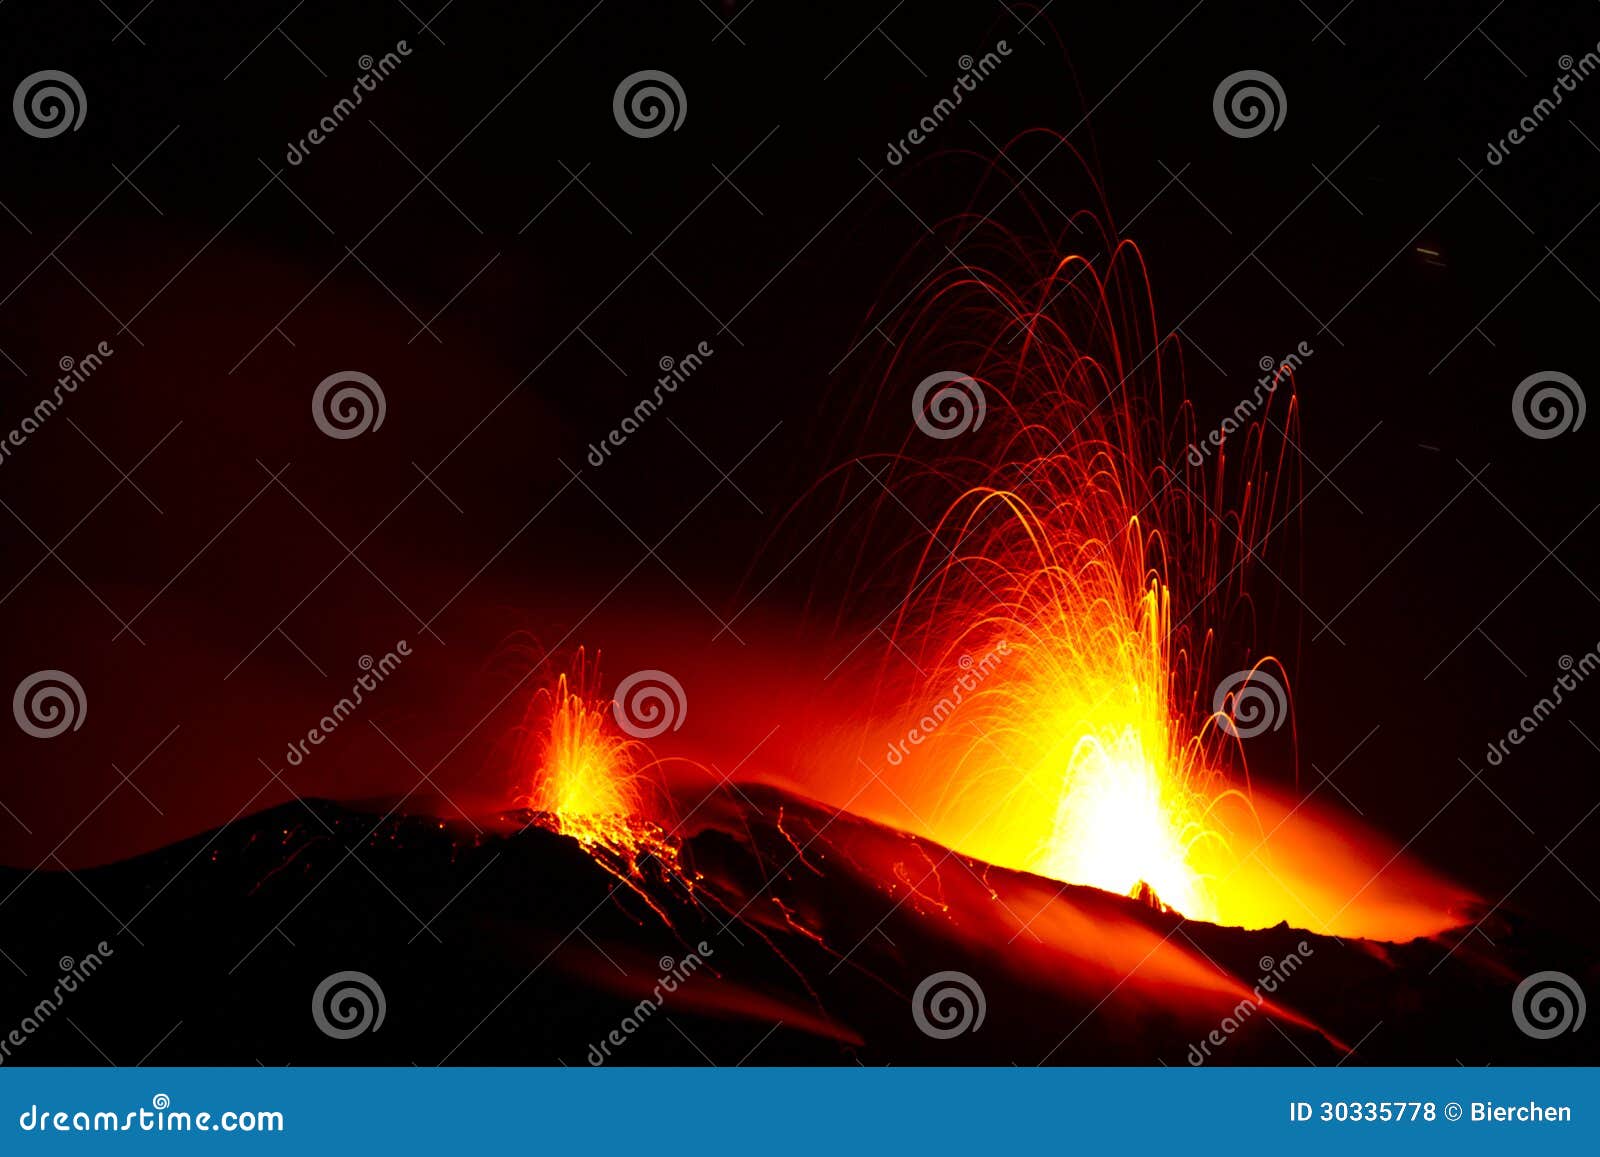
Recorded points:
785,933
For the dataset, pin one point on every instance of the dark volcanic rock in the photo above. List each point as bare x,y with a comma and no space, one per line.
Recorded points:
512,945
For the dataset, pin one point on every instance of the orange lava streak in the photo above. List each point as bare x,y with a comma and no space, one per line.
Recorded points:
584,781
1063,607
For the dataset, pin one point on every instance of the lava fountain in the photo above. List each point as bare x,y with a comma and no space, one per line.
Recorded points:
1081,542
586,780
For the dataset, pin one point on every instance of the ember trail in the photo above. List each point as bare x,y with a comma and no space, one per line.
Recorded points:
1074,531
586,781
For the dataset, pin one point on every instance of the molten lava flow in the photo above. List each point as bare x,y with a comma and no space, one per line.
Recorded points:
585,780
1122,822
1070,760
584,773
1082,544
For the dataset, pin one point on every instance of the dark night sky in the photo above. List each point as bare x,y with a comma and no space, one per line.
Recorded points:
555,260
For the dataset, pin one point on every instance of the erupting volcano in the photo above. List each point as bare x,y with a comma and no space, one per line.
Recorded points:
582,772
1046,750
585,780
1073,671
1069,676
1055,584
1078,539
1064,683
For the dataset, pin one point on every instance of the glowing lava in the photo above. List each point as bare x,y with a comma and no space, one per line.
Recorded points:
1070,759
586,780
583,770
1074,524
1121,823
